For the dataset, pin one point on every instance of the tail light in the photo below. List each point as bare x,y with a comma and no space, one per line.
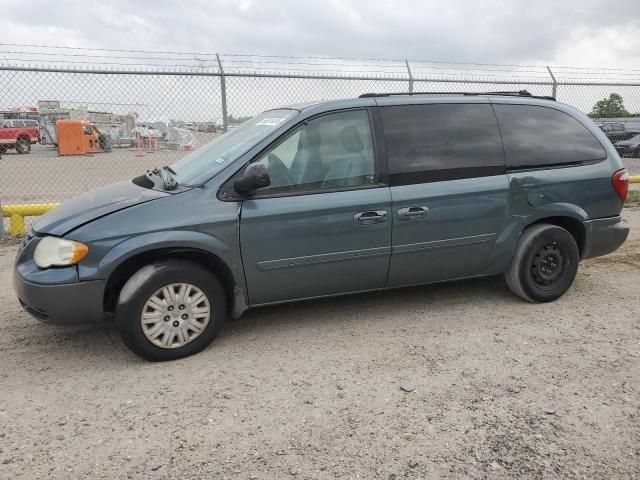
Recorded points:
620,180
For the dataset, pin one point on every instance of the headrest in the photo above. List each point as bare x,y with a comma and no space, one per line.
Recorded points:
309,138
351,140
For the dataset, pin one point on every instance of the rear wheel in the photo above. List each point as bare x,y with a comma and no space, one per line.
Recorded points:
170,309
23,145
544,265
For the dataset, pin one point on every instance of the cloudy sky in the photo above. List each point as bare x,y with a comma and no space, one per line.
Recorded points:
583,40
579,32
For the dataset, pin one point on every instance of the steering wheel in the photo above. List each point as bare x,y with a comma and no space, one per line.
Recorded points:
278,172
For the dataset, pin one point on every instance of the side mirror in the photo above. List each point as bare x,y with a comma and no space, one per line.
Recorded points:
254,177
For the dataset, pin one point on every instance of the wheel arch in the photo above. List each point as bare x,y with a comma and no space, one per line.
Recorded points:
571,224
123,271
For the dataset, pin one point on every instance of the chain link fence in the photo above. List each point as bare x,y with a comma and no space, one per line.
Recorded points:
139,118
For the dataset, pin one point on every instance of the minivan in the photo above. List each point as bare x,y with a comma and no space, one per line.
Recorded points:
331,198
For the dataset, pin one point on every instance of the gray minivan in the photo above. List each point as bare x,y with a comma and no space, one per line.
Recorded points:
321,199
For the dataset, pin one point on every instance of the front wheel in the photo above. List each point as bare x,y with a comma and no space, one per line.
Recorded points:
170,309
544,265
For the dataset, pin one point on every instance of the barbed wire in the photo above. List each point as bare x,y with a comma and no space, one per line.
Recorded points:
288,60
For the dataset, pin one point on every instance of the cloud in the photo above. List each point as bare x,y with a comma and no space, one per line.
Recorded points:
497,31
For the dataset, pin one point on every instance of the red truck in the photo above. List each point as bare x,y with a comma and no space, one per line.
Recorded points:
19,134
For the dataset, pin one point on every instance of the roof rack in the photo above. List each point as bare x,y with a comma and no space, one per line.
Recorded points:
519,93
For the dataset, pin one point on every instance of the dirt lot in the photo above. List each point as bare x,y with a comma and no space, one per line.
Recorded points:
42,176
503,388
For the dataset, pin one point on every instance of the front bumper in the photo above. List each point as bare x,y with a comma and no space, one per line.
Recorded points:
604,235
61,304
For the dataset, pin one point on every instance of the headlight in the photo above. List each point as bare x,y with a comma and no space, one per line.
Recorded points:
58,252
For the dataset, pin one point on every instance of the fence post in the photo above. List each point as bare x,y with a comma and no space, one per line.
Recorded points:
554,88
223,94
1,222
406,62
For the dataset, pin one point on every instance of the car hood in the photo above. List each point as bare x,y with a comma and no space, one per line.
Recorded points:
92,205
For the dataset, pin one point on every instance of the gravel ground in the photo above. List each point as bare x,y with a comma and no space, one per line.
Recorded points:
502,388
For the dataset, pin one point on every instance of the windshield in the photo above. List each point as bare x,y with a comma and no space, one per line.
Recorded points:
204,163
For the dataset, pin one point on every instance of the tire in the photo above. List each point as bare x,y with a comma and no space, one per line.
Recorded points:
154,281
3,149
23,145
544,265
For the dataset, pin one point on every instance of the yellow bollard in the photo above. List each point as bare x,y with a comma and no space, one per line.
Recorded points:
16,214
16,225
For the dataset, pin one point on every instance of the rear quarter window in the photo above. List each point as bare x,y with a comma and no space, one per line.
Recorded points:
536,136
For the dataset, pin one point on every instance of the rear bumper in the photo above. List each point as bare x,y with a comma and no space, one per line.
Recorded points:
61,304
604,235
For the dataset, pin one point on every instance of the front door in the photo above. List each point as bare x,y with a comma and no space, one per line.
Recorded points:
323,226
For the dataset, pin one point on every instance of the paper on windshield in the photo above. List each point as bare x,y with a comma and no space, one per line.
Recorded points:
271,122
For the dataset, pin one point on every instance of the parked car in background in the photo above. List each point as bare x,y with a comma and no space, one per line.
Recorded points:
18,134
629,148
617,131
330,198
206,127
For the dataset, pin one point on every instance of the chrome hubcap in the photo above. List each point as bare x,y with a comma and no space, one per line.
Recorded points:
175,315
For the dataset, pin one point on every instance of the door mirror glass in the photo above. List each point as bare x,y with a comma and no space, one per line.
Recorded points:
255,176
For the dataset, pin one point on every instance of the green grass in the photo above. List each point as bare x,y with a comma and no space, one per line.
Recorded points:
633,196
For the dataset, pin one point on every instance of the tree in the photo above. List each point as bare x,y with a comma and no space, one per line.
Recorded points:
612,107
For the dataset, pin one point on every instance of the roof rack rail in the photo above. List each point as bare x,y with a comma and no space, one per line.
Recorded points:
518,93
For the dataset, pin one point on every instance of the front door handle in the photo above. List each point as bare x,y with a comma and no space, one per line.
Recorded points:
369,217
410,213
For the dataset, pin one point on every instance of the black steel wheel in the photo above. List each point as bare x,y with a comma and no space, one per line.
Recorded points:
544,265
548,266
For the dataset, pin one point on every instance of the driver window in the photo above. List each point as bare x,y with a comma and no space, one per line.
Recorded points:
331,151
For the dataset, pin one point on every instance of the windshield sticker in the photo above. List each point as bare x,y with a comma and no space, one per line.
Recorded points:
221,160
270,122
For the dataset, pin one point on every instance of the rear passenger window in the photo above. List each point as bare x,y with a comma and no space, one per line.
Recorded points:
427,143
540,136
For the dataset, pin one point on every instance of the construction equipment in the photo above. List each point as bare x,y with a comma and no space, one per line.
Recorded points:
79,137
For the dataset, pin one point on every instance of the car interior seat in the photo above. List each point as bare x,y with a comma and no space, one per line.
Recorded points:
353,167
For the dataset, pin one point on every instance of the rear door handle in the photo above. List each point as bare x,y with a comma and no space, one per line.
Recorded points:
410,213
369,217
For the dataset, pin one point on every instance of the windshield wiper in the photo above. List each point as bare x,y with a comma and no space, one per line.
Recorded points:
168,176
